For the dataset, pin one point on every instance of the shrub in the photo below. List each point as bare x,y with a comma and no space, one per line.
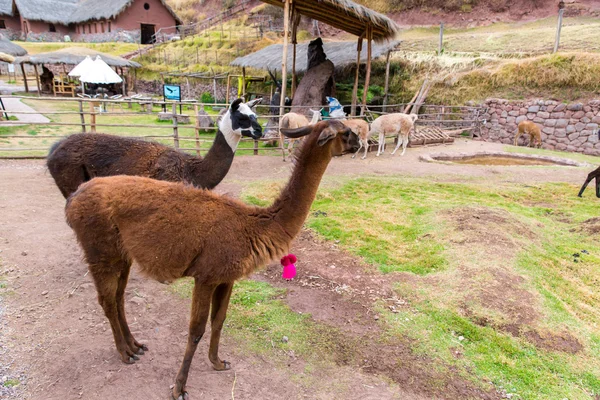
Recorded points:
206,97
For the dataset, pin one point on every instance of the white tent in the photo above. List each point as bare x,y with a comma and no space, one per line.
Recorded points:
100,72
82,67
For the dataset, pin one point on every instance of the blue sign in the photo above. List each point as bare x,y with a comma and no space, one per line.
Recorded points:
172,92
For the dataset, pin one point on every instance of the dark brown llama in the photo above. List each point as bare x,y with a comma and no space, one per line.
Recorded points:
173,230
595,174
81,157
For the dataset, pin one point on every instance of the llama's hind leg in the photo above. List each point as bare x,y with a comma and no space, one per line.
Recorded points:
107,285
134,345
381,147
218,312
199,316
360,142
400,140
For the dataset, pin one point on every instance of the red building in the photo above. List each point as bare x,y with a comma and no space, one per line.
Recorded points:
87,20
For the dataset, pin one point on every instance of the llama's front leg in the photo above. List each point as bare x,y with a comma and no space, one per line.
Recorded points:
282,145
404,144
597,187
134,345
198,318
218,312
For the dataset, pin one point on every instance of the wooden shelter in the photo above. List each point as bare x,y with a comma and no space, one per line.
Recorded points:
342,14
72,56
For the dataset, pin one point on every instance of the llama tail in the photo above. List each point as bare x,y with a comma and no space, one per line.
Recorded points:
414,117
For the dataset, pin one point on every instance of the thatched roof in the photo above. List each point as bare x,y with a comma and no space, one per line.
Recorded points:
73,56
8,47
345,15
67,12
341,54
6,7
96,10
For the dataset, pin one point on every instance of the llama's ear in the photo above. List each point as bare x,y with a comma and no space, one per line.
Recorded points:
254,102
296,133
326,135
236,104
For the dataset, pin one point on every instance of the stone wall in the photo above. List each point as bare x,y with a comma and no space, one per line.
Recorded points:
567,127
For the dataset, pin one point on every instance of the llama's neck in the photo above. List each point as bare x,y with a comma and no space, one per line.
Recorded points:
209,171
293,204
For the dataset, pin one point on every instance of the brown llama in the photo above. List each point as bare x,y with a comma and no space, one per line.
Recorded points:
294,120
361,128
81,157
533,130
172,230
595,174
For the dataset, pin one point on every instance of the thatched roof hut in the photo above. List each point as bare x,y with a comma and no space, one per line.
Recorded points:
6,7
73,56
67,12
345,15
342,54
8,47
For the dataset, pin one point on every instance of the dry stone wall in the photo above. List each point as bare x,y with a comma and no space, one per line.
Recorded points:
567,127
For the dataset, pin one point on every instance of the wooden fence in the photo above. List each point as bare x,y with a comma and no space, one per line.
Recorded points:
139,118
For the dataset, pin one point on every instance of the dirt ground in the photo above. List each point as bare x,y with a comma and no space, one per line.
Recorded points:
55,339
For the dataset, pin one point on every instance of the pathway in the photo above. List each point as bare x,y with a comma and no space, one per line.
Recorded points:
15,106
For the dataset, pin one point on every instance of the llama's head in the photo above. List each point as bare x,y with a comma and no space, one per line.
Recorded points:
240,121
331,134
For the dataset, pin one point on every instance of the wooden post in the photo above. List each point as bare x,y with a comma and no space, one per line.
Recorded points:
295,22
558,29
82,116
215,88
175,131
355,88
228,89
368,74
387,80
25,78
244,83
37,79
441,44
286,26
123,83
92,118
197,130
255,147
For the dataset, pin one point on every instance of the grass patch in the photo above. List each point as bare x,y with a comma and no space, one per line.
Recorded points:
561,154
258,319
11,383
411,225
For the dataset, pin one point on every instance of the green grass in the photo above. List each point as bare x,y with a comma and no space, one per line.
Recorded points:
561,154
258,320
413,226
28,134
112,48
11,383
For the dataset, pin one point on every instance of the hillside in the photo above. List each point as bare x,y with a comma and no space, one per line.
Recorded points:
491,49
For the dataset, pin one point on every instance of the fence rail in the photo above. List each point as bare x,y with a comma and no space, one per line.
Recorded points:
188,130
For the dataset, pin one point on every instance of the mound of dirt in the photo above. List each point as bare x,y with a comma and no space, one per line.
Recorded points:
590,226
489,227
563,341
